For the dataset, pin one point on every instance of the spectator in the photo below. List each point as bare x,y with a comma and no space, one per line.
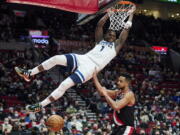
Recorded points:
156,85
6,127
71,109
42,127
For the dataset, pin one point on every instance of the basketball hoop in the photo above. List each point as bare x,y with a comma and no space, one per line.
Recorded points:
119,13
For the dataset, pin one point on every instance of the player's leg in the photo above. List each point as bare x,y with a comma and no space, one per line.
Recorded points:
64,60
48,64
55,95
75,78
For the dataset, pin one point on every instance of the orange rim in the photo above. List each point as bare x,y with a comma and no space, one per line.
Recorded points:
123,3
126,3
120,10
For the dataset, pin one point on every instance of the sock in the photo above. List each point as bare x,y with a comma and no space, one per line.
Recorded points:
51,62
45,102
59,92
34,71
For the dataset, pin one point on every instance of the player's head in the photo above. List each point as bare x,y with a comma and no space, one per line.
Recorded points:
110,35
123,80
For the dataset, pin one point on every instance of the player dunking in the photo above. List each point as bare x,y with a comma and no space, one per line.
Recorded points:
82,67
123,104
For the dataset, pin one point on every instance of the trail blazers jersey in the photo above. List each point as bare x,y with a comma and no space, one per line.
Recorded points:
124,116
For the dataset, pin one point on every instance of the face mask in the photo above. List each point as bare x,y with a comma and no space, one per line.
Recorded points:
1,109
84,120
43,111
65,103
16,114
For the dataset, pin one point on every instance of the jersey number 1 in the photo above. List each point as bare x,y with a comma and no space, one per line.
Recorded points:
102,48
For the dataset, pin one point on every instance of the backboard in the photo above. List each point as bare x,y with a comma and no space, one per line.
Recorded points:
103,5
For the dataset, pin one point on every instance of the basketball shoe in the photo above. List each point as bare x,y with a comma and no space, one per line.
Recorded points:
23,73
34,108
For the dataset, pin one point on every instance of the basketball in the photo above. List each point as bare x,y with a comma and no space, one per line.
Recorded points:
55,123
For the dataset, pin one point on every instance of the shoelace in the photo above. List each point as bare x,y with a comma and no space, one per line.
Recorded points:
26,73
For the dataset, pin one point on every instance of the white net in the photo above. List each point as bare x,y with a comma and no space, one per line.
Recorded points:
118,15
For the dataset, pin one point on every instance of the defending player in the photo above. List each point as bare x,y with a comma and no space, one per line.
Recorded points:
81,66
123,104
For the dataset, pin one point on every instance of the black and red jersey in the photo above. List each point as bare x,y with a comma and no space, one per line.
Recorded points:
125,116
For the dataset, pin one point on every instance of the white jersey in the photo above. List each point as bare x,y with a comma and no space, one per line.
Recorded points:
102,53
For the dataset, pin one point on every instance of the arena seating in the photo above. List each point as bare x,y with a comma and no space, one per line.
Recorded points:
157,108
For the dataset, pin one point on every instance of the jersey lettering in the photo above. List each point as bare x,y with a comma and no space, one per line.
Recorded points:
105,43
102,53
102,48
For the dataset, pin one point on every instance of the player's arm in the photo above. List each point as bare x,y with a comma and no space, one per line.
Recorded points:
99,28
100,88
112,93
117,105
124,34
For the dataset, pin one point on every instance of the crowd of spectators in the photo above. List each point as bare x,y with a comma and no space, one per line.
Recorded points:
156,87
155,84
62,25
